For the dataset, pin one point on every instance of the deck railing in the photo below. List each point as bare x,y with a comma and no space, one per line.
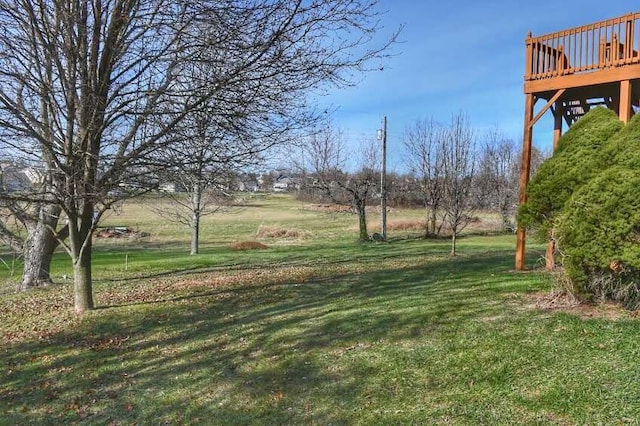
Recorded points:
610,43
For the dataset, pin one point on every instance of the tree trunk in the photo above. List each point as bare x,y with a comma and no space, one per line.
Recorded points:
82,285
506,219
38,249
196,201
427,227
362,221
433,220
80,233
195,233
454,236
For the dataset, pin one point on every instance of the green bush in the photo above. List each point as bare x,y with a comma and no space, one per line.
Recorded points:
623,148
599,235
589,194
577,159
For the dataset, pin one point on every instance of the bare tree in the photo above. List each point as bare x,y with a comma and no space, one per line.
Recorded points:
91,88
193,198
324,162
459,167
210,147
498,176
198,186
423,143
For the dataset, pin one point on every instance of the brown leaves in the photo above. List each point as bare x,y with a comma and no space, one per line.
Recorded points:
107,343
38,314
277,396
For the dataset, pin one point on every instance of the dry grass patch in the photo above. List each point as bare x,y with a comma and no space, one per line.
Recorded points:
248,245
400,225
486,224
555,301
407,225
327,208
481,224
276,232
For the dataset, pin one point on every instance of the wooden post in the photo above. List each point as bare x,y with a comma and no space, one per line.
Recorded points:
625,109
383,182
557,127
528,57
557,134
628,40
524,174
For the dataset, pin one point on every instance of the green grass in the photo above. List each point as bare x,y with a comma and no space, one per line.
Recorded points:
321,331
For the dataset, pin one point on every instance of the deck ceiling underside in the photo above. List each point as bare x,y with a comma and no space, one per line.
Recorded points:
600,91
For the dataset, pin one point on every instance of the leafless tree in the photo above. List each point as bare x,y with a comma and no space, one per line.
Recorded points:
423,144
208,147
325,162
458,169
498,176
91,88
204,160
193,197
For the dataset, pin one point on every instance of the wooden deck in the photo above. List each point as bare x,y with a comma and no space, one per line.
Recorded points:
574,70
595,54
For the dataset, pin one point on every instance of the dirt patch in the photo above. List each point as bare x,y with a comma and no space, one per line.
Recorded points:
563,302
248,245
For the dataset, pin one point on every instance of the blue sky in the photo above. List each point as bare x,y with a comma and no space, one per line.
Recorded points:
459,55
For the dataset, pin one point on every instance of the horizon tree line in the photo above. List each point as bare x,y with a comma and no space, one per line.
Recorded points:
453,171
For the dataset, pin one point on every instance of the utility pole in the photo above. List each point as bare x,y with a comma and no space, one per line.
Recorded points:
383,181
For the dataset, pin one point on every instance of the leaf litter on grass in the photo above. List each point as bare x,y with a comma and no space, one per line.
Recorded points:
304,343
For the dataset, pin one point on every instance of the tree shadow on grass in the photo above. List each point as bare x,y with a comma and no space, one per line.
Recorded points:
301,256
293,353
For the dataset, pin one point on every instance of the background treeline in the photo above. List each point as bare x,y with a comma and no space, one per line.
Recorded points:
452,171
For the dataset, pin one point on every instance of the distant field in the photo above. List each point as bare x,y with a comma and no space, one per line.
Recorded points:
314,329
165,248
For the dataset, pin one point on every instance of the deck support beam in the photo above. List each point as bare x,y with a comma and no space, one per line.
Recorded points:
524,174
546,107
625,109
557,126
525,171
558,114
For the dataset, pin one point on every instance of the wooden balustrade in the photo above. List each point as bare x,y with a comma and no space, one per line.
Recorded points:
610,43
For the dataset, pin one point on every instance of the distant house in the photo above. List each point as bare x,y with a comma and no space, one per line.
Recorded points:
35,176
248,186
168,187
246,183
283,184
16,177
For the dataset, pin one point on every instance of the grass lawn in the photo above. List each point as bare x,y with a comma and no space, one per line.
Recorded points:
317,330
